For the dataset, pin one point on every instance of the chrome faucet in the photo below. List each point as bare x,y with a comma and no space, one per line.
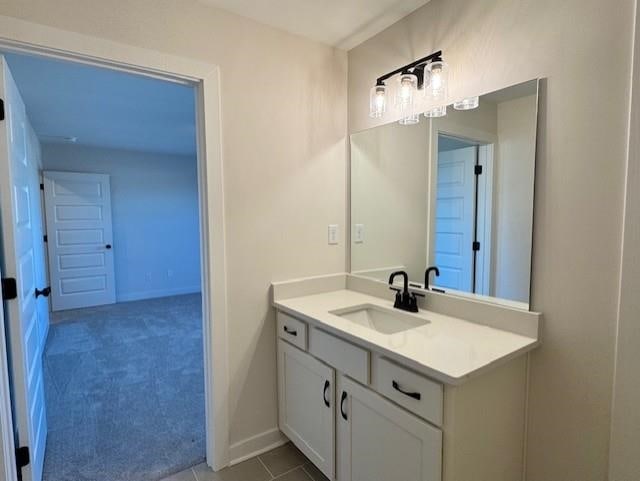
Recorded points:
405,300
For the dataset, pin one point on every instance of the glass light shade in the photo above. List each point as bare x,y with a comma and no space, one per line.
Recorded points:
467,104
410,119
436,112
437,81
378,101
406,91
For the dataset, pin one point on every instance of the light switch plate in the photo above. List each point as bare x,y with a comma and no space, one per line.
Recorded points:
333,234
358,234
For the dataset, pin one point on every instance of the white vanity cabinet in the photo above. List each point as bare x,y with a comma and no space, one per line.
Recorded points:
360,416
379,441
306,395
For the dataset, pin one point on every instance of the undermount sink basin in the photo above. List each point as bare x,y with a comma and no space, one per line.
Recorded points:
380,319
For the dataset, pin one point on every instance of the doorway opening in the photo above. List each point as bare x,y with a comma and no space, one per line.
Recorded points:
107,231
463,214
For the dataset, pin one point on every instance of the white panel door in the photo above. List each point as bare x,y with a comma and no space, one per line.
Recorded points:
19,259
379,441
455,207
306,405
78,213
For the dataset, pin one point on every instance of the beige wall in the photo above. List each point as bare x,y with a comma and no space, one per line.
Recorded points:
284,124
389,188
625,440
494,43
513,198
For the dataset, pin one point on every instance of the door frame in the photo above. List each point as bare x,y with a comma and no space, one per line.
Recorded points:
29,38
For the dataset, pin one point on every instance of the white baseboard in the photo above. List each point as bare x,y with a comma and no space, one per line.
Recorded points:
255,445
153,293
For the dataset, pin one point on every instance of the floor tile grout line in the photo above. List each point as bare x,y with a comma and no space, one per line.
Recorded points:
265,467
290,471
306,471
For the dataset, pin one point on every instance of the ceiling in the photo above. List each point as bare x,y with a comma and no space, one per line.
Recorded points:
105,108
446,143
340,23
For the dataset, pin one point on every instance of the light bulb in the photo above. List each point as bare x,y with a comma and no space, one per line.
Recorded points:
467,103
378,101
437,77
436,112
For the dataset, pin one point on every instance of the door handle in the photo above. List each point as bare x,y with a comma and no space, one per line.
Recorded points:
414,395
108,246
342,400
324,393
44,292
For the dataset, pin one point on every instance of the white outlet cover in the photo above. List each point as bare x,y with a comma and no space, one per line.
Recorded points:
333,234
358,233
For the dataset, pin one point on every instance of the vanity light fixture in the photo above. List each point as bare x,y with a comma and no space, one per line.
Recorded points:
410,119
378,101
437,80
428,74
436,112
406,93
467,104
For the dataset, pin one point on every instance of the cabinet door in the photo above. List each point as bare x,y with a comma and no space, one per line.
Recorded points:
306,389
378,441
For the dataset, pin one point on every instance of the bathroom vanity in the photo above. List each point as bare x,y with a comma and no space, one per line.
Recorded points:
369,392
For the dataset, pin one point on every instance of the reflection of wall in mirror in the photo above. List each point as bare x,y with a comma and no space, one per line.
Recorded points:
389,182
513,198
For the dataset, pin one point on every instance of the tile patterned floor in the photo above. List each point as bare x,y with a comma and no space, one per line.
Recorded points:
285,463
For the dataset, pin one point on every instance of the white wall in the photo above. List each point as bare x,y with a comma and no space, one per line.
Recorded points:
514,171
579,189
283,136
154,204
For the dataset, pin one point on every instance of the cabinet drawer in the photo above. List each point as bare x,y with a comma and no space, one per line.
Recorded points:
344,356
292,330
416,393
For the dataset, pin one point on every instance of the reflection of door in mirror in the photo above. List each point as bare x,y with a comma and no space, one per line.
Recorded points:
456,213
463,214
483,197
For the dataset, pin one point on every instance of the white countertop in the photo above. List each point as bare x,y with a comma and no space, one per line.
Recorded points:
448,349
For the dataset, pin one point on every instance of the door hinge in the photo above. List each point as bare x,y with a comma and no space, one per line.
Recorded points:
477,169
45,238
1,109
22,457
476,246
9,288
41,186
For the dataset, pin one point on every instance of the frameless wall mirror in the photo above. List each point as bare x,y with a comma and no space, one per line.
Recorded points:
454,192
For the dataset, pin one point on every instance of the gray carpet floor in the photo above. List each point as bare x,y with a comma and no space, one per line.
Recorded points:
125,391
